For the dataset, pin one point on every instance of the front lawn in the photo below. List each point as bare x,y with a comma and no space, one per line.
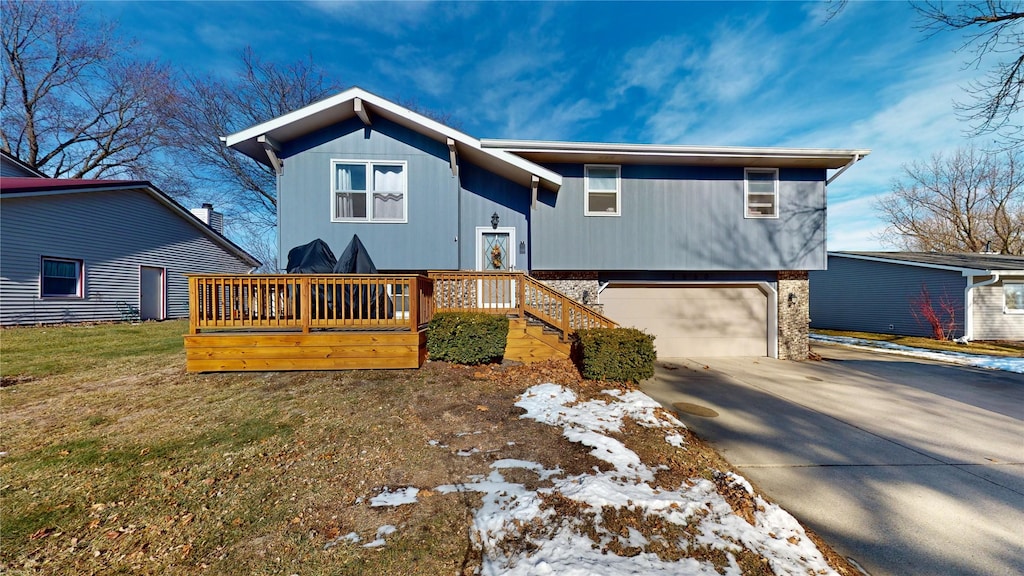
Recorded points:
114,460
988,348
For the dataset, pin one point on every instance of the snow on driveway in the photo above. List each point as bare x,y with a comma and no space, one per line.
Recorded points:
976,360
580,544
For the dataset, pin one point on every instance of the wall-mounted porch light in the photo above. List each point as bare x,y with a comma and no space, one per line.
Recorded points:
494,220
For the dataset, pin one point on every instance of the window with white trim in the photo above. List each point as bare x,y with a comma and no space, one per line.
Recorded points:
602,190
1013,298
60,278
364,191
760,193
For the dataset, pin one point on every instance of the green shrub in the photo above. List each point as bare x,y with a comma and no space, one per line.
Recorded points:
618,354
467,337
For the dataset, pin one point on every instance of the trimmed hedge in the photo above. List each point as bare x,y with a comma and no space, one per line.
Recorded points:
617,354
467,337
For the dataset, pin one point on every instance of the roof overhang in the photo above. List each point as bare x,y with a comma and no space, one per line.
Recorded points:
54,187
576,152
356,102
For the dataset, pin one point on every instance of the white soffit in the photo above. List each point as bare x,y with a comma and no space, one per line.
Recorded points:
341,107
549,151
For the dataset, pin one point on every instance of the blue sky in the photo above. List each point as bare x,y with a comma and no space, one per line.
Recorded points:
736,74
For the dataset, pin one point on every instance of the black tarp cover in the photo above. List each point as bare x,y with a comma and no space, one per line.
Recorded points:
362,301
313,258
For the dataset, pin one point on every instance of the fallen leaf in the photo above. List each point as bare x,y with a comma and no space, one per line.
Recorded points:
187,518
482,408
41,533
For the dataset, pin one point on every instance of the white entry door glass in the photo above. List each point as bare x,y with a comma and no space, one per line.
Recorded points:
495,252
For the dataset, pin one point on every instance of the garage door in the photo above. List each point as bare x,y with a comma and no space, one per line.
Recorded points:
694,321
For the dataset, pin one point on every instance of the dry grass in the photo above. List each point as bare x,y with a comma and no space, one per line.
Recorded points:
129,465
987,347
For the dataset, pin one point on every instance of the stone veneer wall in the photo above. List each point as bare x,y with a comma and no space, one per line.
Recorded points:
794,315
573,284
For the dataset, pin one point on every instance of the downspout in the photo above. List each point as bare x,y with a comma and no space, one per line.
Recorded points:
852,161
969,303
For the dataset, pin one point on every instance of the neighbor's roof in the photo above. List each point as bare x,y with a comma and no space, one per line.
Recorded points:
33,187
8,158
547,151
967,262
343,106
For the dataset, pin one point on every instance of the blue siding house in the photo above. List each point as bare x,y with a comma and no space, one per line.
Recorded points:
708,248
882,292
88,250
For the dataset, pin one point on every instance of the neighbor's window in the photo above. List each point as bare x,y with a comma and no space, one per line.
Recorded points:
602,184
1013,295
761,193
61,278
368,191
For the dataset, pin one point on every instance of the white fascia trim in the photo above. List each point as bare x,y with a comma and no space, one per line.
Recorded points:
670,150
963,271
549,176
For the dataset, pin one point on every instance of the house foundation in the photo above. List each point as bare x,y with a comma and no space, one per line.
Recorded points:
580,285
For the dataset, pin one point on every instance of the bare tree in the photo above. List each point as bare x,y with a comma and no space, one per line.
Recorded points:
993,28
215,107
971,201
74,103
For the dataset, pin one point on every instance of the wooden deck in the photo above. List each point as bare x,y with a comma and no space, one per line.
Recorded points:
343,322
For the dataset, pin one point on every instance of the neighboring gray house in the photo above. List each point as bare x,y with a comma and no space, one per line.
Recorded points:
83,250
708,248
12,166
881,291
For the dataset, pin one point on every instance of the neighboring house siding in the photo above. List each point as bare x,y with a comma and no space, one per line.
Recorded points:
990,320
427,241
113,233
12,170
871,296
681,218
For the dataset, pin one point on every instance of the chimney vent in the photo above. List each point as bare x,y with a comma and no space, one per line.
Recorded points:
210,217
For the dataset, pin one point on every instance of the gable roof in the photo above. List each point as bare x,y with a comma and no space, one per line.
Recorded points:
19,165
33,187
358,102
968,263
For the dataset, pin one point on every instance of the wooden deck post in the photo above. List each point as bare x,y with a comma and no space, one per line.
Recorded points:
305,305
193,305
414,304
521,295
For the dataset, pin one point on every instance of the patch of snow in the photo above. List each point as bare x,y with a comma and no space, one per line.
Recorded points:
977,360
396,498
436,443
351,537
469,452
542,472
385,530
676,440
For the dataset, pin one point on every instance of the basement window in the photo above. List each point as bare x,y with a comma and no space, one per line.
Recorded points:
60,278
1013,298
761,193
602,184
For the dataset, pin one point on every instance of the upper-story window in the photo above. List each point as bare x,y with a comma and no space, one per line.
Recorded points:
761,193
365,191
60,278
603,187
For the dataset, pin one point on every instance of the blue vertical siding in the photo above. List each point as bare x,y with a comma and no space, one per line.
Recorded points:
681,218
432,238
869,296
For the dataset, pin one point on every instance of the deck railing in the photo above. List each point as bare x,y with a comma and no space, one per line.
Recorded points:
513,293
307,301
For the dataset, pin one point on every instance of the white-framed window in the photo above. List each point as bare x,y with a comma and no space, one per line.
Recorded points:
602,185
760,193
369,191
60,278
1013,297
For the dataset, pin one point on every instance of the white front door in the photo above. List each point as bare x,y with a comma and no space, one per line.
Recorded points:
151,293
495,252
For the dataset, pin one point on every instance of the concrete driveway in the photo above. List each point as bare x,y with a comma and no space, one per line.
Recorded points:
905,466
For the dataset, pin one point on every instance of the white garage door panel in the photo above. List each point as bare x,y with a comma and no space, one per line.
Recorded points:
694,321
